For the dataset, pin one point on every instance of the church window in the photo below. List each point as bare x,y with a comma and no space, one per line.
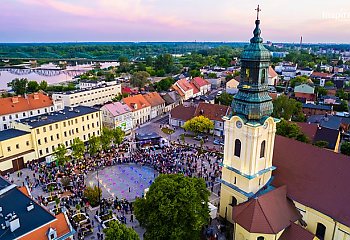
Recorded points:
235,181
260,238
233,201
320,231
263,76
247,73
238,148
262,149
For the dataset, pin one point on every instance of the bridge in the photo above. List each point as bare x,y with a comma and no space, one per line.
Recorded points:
43,72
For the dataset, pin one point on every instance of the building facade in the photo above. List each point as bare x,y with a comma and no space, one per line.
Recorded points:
140,107
157,104
117,115
89,96
31,105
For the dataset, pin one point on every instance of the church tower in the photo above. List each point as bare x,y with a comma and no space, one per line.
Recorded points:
250,131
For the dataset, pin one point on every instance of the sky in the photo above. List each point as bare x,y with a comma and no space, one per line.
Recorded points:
173,20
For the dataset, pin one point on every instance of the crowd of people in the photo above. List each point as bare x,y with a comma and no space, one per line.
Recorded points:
71,177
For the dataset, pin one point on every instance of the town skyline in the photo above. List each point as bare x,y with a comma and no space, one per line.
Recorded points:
165,21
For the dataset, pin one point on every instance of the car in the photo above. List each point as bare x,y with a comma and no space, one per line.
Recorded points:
198,137
219,93
218,142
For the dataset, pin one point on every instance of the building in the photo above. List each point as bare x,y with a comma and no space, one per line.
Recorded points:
201,84
16,149
180,114
232,86
184,88
172,99
84,84
274,187
310,109
305,93
89,96
140,107
157,104
22,218
215,113
50,130
328,135
305,72
117,114
31,105
287,70
273,77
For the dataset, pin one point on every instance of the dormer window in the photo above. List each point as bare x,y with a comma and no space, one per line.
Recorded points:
52,234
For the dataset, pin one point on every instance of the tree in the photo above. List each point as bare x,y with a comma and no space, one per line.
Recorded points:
78,148
119,231
345,148
19,86
224,99
43,85
167,213
60,155
199,124
212,75
94,145
139,79
106,138
118,135
291,130
164,62
298,80
164,84
321,144
287,108
32,86
329,84
92,194
321,91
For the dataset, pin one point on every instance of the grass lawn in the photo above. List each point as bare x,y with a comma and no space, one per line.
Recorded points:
167,131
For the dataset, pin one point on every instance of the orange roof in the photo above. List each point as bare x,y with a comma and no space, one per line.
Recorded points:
272,72
321,75
184,85
24,190
20,104
136,102
195,89
154,99
200,82
178,90
60,225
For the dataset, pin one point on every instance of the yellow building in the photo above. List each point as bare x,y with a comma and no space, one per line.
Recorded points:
273,187
16,149
48,131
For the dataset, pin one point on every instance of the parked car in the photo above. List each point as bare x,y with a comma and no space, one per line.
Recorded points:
218,142
199,137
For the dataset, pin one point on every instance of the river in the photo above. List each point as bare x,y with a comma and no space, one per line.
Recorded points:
47,72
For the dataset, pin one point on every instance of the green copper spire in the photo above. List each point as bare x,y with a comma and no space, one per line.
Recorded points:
252,100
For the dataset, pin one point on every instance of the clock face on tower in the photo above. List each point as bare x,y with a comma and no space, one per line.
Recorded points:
238,124
266,125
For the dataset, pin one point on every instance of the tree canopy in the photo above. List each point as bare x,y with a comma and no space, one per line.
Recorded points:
199,124
287,108
139,79
345,148
175,208
224,99
78,148
291,130
94,145
119,231
60,155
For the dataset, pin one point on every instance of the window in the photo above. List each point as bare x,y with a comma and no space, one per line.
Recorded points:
24,114
39,141
262,149
235,181
64,124
83,128
27,143
260,238
77,130
238,148
44,129
65,134
9,149
320,231
57,136
16,115
51,138
233,201
45,139
263,76
47,150
31,113
50,127
39,111
56,126
76,120
17,146
37,131
4,118
40,152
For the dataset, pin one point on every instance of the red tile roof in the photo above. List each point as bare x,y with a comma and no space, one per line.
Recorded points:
296,232
195,89
272,72
154,99
307,96
212,111
178,90
184,85
136,102
321,75
315,177
182,113
269,213
200,82
33,101
309,129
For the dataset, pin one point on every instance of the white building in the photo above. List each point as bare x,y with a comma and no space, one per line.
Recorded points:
117,115
19,107
84,84
89,96
157,104
140,107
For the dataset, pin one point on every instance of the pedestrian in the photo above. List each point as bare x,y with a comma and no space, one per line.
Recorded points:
132,218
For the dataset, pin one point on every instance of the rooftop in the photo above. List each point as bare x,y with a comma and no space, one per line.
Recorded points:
183,113
154,99
117,108
86,89
212,111
11,133
136,102
200,82
65,114
320,107
17,104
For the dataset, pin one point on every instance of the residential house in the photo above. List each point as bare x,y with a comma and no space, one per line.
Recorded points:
184,88
321,75
305,93
62,127
305,72
310,109
24,219
172,99
157,104
117,114
20,107
329,135
202,84
84,84
232,86
215,113
273,77
180,114
287,70
89,96
140,107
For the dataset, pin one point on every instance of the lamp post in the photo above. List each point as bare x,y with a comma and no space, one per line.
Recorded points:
99,192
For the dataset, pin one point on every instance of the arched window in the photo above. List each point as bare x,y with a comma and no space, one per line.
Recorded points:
263,76
233,201
320,231
260,238
237,148
262,149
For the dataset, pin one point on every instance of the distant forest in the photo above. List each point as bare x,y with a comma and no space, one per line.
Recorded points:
130,50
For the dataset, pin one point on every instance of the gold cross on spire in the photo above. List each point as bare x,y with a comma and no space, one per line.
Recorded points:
257,12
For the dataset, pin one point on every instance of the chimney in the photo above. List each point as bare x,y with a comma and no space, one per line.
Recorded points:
30,206
36,96
15,99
